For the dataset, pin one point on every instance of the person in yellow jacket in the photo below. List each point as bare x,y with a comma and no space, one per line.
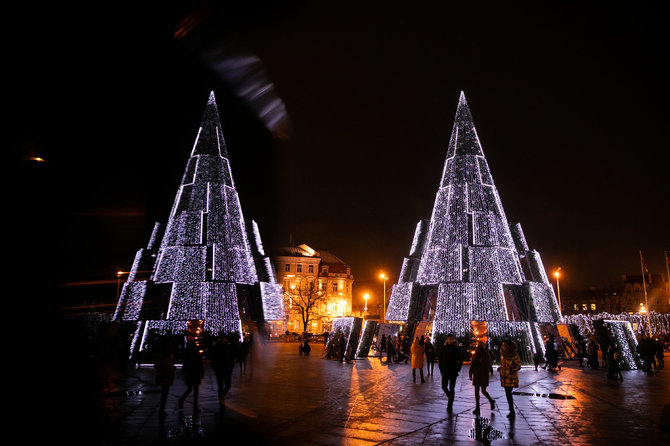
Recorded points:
417,359
510,363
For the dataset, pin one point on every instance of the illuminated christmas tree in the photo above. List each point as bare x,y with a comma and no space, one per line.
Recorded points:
468,268
206,269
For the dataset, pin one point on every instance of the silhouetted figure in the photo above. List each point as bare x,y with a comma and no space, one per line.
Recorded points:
193,371
429,350
245,347
510,363
550,353
164,366
582,352
592,350
390,350
417,359
450,362
382,347
613,358
659,353
222,358
343,347
304,348
480,368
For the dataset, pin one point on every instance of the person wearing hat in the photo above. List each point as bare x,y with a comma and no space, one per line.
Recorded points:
450,361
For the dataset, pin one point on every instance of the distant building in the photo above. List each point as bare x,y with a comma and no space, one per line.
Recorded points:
628,298
320,275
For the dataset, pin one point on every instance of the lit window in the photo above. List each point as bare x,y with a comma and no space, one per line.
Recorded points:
575,307
593,306
299,268
584,307
287,268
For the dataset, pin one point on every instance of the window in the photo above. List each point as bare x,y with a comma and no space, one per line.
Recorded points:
287,284
334,287
593,307
584,307
287,268
575,307
299,268
323,286
310,268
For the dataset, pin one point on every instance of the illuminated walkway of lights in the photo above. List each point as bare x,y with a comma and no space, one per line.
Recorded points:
285,398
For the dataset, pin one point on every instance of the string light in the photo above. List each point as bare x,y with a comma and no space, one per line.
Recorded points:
206,263
479,264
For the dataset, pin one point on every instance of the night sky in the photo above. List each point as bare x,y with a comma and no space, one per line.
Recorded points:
569,101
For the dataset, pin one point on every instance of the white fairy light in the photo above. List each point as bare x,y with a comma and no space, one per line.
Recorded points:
206,263
470,256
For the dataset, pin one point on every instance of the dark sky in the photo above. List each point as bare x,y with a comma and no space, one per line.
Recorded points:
570,104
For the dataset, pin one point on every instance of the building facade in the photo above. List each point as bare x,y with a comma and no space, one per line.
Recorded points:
317,287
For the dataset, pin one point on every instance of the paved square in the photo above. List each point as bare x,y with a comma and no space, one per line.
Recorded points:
285,398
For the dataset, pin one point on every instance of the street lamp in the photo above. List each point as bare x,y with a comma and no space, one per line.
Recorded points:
366,297
383,277
557,275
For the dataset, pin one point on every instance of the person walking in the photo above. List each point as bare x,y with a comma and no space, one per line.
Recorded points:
222,358
245,348
429,350
164,366
193,370
480,368
417,359
510,363
390,350
450,362
550,353
592,351
382,347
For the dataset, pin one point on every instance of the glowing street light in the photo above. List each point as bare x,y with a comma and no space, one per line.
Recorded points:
384,277
366,297
557,275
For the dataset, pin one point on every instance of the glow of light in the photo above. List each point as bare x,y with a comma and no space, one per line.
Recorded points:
478,263
206,258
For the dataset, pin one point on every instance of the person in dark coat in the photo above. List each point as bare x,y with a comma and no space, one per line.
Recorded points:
382,347
480,368
304,348
164,366
429,350
450,362
550,353
390,350
194,371
659,353
243,354
222,358
510,363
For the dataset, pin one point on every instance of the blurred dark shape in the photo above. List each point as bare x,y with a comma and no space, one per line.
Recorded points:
204,32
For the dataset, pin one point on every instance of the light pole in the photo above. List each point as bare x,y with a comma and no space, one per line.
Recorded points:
383,277
366,297
557,275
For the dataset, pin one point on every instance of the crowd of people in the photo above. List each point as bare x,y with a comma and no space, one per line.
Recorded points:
222,352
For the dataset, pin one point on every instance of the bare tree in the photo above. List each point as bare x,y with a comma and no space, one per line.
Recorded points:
305,299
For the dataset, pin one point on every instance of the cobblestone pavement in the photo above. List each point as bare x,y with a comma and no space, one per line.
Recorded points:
285,398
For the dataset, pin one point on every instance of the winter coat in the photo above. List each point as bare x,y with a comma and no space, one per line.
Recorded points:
429,349
417,355
450,359
510,363
192,367
164,364
480,367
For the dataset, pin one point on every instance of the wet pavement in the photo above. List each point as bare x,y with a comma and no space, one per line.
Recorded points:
289,399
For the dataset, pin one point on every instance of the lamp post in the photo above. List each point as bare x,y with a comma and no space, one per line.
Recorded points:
366,297
557,275
383,277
